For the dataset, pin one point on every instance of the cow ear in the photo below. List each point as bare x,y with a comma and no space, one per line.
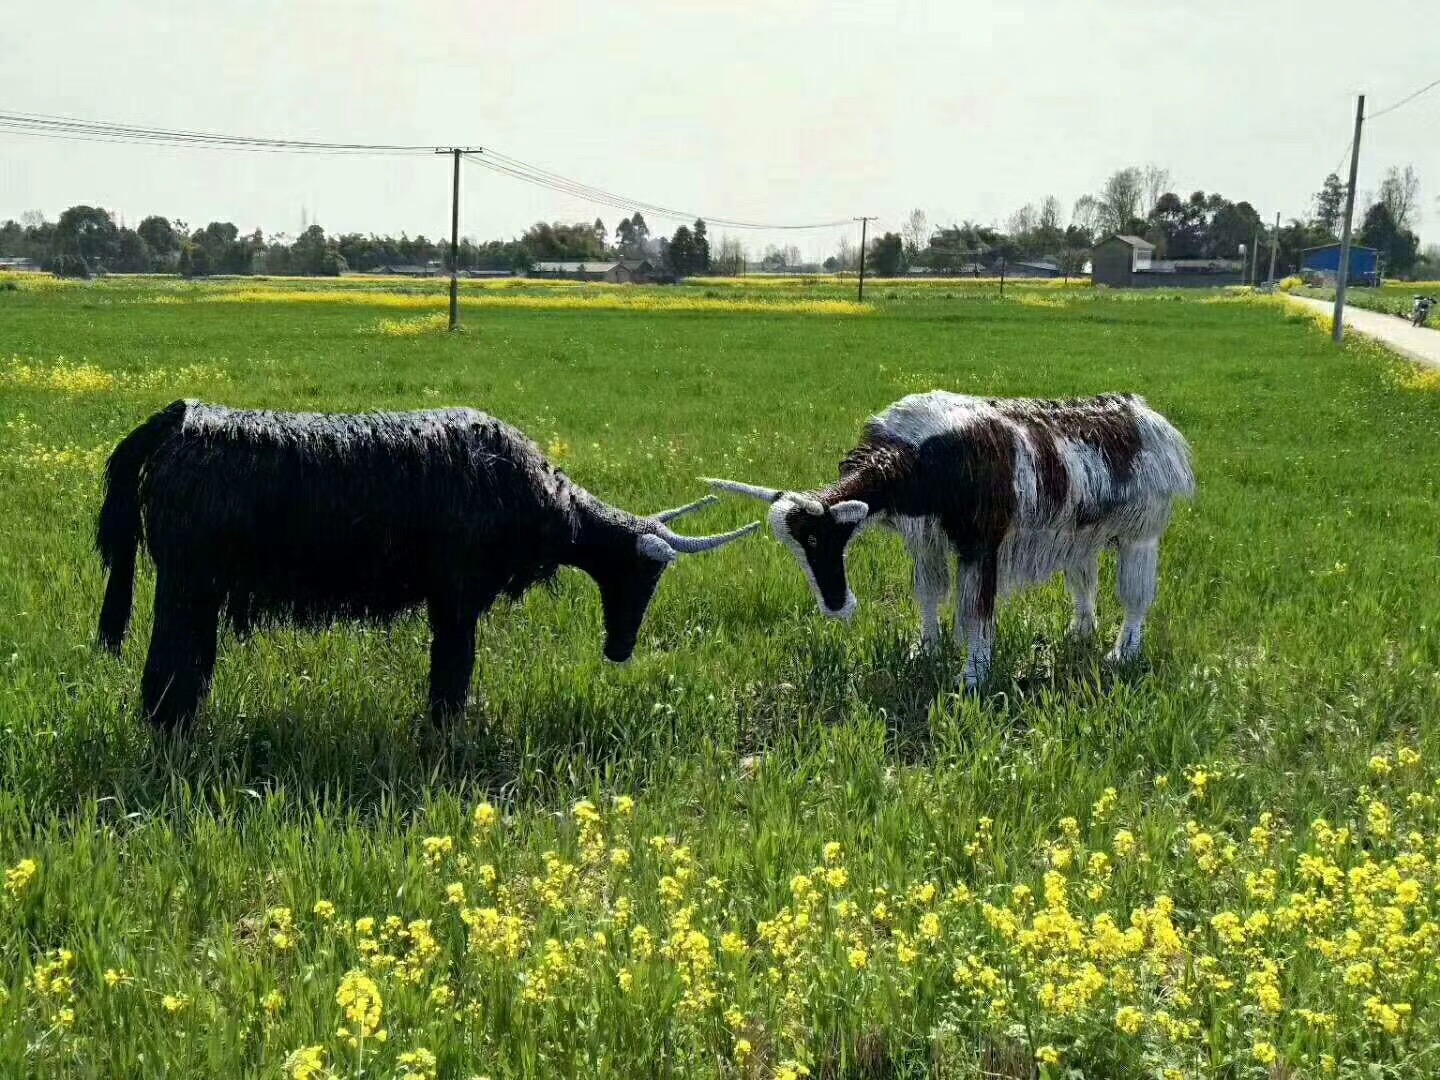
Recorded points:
655,548
850,512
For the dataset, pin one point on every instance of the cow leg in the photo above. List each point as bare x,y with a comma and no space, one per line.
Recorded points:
1083,580
452,658
181,660
1139,566
932,585
975,616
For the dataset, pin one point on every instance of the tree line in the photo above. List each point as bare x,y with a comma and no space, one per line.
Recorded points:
88,240
1135,200
1141,202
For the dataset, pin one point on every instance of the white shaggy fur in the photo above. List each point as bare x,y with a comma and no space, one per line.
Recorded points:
1130,515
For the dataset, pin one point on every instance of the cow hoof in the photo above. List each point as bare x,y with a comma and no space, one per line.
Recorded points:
1120,657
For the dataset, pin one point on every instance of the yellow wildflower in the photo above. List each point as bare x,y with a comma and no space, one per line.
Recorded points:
832,852
858,958
1047,1055
1129,1019
1264,1052
742,1049
485,816
306,1063
174,1004
19,877
323,910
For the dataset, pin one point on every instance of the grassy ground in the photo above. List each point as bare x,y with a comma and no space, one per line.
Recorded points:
831,861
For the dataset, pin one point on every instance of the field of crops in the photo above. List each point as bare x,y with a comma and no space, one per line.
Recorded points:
773,846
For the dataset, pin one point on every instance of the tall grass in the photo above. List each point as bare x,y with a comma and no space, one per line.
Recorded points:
1075,871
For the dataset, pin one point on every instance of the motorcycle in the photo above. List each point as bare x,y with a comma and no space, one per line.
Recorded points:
1420,312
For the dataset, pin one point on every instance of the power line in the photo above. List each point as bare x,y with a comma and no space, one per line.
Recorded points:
534,174
1404,101
74,129
67,127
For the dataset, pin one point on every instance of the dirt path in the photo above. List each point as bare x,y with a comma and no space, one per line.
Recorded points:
1421,344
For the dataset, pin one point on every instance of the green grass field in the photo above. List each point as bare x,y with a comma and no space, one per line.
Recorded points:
1224,864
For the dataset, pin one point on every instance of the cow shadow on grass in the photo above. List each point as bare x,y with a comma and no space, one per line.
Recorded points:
1031,673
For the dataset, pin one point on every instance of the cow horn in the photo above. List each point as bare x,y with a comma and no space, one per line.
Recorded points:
749,491
689,508
693,545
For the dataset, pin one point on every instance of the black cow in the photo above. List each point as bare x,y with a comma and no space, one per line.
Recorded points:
308,518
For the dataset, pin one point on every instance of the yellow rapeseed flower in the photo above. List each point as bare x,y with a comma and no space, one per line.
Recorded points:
306,1063
323,910
485,816
1129,1020
174,1004
1047,1055
19,877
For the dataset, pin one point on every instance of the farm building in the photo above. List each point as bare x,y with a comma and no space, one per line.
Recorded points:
19,266
614,271
1116,259
1129,262
1324,262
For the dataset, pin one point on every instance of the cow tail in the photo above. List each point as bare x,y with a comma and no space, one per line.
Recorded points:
118,530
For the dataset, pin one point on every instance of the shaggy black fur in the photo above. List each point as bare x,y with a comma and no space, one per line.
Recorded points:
306,518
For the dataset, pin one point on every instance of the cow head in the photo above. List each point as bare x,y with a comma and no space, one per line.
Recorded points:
817,534
627,555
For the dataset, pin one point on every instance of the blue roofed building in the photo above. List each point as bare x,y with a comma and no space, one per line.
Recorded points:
1324,262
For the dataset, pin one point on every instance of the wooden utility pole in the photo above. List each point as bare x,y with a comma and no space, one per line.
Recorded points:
860,292
1342,276
1274,246
1255,259
455,152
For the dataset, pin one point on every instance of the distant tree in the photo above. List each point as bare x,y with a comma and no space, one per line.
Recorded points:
1329,204
830,265
600,234
1156,181
845,255
1427,267
1088,218
1023,221
193,260
916,231
86,237
1400,192
161,238
730,257
1397,247
680,254
773,259
1122,199
1232,225
792,255
632,236
887,255
700,264
133,254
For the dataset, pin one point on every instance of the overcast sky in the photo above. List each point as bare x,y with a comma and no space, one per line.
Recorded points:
788,112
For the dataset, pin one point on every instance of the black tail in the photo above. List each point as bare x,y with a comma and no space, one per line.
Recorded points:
117,533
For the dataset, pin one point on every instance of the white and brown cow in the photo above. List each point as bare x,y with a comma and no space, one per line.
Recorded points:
1015,490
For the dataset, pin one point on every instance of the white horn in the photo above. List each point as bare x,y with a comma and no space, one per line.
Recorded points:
749,491
693,545
689,508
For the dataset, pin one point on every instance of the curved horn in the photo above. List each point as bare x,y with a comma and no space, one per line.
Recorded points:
693,545
680,511
749,491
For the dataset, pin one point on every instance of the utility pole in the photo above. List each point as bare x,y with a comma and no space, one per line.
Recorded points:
1342,276
1255,259
860,292
1274,246
455,152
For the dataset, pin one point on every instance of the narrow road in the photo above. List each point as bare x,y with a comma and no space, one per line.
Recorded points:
1419,343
